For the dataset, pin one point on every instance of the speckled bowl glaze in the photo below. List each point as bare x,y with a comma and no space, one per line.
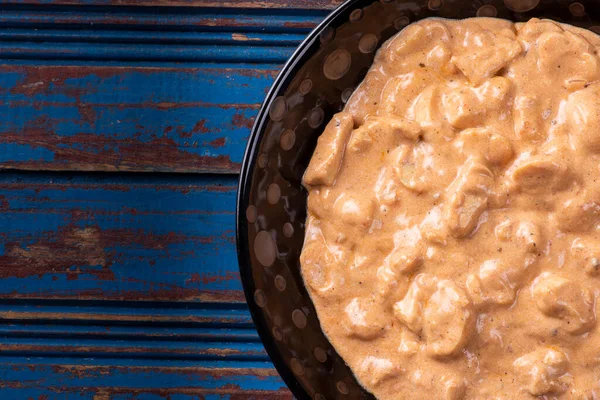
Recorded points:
271,207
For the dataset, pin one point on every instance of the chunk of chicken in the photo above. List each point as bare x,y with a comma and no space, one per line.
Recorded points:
354,210
441,311
446,386
485,54
410,309
362,319
539,174
327,158
439,59
409,343
379,369
467,198
411,166
494,283
386,185
532,29
360,105
467,107
401,91
385,130
583,119
449,319
418,37
391,285
317,260
530,235
408,251
424,109
568,57
581,213
528,122
542,370
566,300
586,255
485,144
453,388
433,228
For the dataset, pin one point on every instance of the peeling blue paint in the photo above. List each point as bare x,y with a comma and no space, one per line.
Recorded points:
121,134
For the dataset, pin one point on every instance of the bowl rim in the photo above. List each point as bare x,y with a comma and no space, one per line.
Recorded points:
297,59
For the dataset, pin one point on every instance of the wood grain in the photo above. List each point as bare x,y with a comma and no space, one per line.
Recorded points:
259,4
281,19
128,238
110,89
202,332
68,378
123,130
128,119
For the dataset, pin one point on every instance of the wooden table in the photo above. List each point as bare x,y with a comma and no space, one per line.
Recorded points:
122,129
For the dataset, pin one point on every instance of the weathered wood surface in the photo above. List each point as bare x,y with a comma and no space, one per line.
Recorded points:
119,90
122,130
260,4
110,118
152,238
267,20
133,280
65,378
158,331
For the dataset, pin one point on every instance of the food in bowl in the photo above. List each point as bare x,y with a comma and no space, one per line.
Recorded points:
452,245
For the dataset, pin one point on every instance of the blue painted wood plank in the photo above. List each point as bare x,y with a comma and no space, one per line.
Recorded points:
111,379
252,4
164,37
126,286
121,238
132,119
186,330
130,334
82,347
110,313
215,19
150,52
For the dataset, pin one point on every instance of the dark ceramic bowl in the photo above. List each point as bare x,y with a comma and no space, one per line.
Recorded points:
271,207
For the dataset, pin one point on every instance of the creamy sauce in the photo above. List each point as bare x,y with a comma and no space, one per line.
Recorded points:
452,245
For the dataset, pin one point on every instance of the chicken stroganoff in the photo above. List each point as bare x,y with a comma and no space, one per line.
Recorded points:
452,244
